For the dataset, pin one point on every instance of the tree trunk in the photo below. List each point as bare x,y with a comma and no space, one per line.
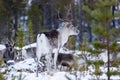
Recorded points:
107,39
73,11
16,21
113,21
80,21
108,49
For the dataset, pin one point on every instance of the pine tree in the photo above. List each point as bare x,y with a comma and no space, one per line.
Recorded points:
10,14
2,77
34,16
114,50
20,39
30,32
98,48
101,16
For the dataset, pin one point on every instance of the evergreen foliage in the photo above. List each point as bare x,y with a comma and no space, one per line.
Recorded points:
20,37
1,77
114,47
34,13
61,4
101,15
34,17
97,48
97,13
71,43
113,73
31,35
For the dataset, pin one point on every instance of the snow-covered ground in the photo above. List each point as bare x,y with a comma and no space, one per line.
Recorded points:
26,70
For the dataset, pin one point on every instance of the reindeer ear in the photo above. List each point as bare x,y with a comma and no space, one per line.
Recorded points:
62,24
38,35
13,44
68,25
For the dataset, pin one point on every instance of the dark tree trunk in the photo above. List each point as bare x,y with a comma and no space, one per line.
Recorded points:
15,21
52,13
90,34
113,21
49,16
44,15
73,12
108,49
108,46
80,21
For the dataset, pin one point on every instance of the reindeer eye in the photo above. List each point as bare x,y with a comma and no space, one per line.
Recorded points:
69,25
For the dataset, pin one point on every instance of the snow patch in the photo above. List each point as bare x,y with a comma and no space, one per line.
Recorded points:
29,46
2,47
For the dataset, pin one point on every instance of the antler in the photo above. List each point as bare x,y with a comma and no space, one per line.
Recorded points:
59,15
68,9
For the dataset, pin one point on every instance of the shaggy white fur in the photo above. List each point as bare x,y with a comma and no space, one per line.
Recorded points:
44,46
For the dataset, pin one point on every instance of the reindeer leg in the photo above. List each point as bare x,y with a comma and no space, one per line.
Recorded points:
49,63
38,57
55,59
37,67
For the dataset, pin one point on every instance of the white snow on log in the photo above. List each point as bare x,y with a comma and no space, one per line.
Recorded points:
2,47
29,46
118,42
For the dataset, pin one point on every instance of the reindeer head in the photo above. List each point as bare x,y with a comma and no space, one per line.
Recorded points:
70,28
9,52
67,23
10,46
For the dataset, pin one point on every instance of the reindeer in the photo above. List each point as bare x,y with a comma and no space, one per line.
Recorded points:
67,60
71,61
47,41
9,53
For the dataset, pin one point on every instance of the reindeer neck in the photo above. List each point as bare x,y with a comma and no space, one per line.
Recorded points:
63,37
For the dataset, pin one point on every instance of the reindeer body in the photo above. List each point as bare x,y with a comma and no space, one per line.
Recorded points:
52,37
65,60
47,41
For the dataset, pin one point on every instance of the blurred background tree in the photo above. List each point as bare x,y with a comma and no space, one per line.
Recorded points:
99,20
43,15
102,22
